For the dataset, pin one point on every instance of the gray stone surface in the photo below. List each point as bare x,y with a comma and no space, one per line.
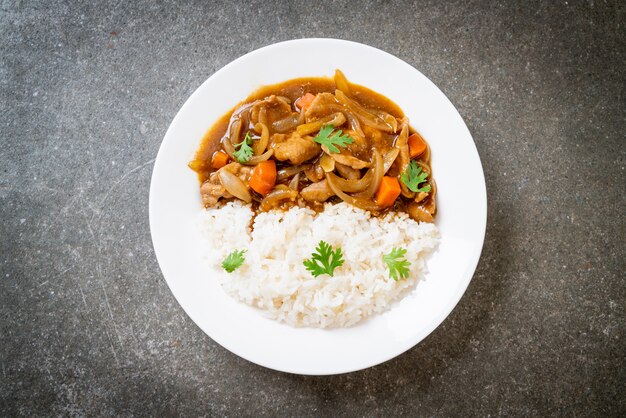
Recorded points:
88,325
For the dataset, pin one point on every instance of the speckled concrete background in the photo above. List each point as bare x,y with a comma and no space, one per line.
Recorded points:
88,324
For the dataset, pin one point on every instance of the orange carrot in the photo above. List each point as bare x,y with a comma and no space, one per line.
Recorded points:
219,159
417,145
388,191
263,177
305,101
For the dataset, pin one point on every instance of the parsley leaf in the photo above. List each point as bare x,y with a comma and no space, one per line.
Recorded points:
233,260
325,260
398,266
244,150
324,137
413,177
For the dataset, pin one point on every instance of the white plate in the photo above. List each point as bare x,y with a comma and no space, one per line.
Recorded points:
461,200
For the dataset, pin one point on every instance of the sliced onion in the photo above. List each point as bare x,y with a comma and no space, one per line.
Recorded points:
260,145
286,124
259,158
302,116
364,115
341,82
404,158
335,107
353,121
346,159
263,115
377,175
287,172
420,197
336,119
426,154
430,204
279,194
234,185
295,181
352,186
366,204
314,173
234,131
389,158
327,163
388,118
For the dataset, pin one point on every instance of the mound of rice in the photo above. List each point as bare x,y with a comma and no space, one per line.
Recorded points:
274,279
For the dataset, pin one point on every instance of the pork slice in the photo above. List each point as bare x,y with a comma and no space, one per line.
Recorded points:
294,148
317,192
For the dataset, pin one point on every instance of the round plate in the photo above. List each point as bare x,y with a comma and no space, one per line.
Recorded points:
461,218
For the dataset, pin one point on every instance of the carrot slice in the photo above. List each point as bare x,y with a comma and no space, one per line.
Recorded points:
305,101
388,191
263,177
417,145
219,159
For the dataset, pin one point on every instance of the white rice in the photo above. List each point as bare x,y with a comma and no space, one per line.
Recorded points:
274,279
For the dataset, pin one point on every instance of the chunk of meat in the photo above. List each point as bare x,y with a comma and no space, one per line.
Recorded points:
295,148
212,190
317,192
361,145
242,171
321,105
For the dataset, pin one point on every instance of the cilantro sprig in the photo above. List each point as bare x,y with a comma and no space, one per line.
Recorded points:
234,260
324,137
324,260
243,149
398,266
413,177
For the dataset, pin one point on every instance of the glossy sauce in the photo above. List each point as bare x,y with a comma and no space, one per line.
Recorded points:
294,89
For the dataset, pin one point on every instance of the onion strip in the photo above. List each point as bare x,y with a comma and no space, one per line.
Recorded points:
287,172
295,181
234,185
327,163
352,186
378,171
336,119
389,158
280,193
259,158
364,116
405,159
365,204
260,145
227,143
341,82
286,124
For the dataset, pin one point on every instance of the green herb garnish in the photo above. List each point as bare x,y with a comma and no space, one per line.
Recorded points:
398,266
325,260
244,151
413,177
324,137
233,260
